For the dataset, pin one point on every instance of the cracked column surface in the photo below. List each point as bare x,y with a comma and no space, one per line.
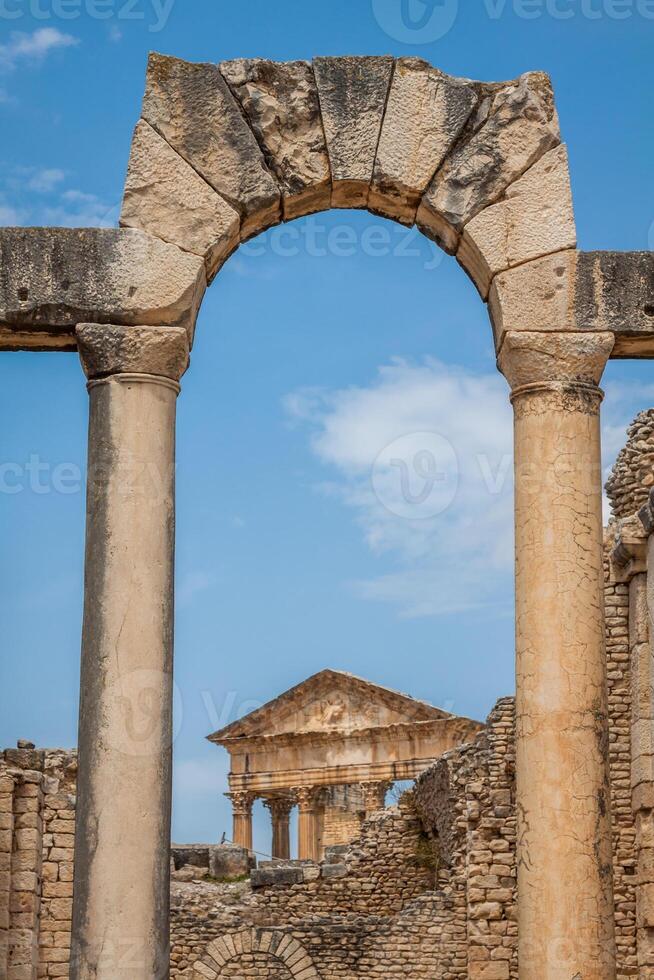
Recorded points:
122,842
565,902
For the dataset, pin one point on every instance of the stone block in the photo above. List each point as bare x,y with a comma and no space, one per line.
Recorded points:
334,871
352,93
165,197
280,102
191,106
533,219
53,278
425,115
264,877
515,124
229,861
572,290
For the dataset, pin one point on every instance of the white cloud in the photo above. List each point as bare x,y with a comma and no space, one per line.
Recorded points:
449,463
192,584
45,181
450,544
33,47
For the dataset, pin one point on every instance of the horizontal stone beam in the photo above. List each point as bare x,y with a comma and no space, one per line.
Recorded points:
51,279
577,291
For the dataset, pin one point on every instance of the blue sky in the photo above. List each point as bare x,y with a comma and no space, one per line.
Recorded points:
322,350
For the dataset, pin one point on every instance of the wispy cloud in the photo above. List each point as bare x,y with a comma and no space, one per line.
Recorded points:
36,46
45,181
193,584
423,459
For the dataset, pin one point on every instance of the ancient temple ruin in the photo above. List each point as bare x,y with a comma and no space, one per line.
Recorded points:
332,746
221,153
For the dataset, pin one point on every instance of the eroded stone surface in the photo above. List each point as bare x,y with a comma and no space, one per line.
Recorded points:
53,278
426,112
280,100
534,218
166,197
513,127
534,358
107,349
353,94
580,291
191,106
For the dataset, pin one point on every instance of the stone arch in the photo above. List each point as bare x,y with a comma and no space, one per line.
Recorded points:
279,948
225,151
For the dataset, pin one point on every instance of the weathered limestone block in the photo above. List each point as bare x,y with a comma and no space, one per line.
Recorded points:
107,349
280,101
425,115
574,290
191,106
165,197
53,278
352,95
514,126
535,218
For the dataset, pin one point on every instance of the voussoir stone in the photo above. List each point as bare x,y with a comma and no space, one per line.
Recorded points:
51,279
574,290
166,197
192,107
425,115
352,94
515,124
534,218
108,348
280,101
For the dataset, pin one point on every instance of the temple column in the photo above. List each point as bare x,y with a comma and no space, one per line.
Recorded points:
242,818
122,842
280,812
374,796
565,907
307,829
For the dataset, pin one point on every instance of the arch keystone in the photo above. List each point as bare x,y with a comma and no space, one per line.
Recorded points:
352,93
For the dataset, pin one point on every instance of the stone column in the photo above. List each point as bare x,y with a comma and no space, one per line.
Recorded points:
120,910
280,811
565,907
374,796
242,818
307,830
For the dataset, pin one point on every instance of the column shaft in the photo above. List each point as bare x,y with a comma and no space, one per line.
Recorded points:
242,819
307,831
121,889
565,905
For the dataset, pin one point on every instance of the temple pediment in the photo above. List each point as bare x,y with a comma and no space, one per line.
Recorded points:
330,701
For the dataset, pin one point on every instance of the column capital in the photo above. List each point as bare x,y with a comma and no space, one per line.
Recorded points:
279,806
242,801
306,796
561,362
108,350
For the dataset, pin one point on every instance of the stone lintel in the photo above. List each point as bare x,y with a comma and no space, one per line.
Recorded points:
51,279
580,291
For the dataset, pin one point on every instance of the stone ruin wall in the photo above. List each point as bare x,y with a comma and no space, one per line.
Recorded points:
426,891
